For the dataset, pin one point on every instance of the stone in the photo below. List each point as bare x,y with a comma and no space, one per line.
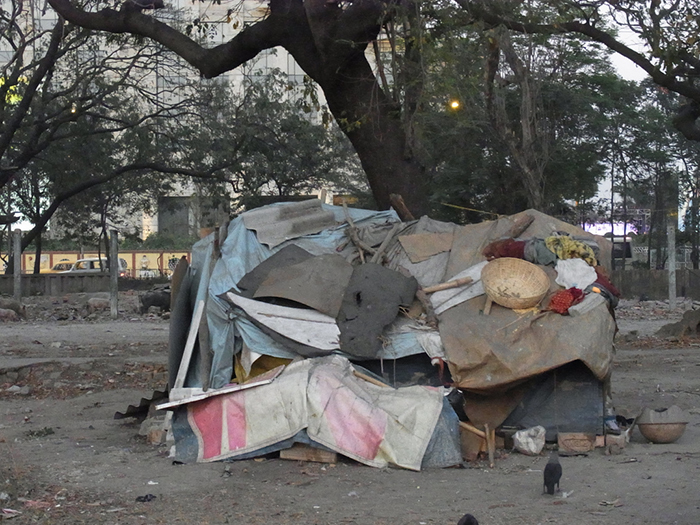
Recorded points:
9,303
98,303
615,444
8,315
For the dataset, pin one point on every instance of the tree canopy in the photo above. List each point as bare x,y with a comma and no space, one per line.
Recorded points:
377,105
86,127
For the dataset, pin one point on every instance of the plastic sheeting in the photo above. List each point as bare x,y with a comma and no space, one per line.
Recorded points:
241,252
485,354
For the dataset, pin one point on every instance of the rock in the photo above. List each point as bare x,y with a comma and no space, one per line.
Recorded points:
8,303
615,444
8,315
97,303
152,424
155,298
689,324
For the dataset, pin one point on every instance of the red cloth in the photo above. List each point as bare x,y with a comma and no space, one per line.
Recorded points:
563,299
605,281
505,248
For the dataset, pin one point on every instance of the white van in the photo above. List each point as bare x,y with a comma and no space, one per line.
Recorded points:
95,265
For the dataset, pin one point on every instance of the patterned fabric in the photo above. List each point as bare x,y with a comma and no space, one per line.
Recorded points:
563,299
568,248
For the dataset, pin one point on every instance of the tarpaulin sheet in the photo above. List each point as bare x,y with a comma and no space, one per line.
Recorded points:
241,252
484,353
490,353
374,425
494,352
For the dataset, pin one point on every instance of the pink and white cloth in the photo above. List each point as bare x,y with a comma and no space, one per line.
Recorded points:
371,424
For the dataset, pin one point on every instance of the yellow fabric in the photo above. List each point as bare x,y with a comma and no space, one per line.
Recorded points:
260,366
567,248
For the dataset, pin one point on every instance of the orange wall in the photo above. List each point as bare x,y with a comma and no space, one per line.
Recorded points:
140,263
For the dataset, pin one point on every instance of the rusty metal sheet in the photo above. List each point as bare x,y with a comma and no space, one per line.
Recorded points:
318,282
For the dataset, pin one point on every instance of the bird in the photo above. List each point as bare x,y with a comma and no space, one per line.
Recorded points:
552,473
467,519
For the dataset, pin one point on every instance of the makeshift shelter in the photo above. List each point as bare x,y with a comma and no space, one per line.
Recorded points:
341,300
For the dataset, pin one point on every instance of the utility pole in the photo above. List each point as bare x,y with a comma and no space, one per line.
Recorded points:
17,250
114,274
671,239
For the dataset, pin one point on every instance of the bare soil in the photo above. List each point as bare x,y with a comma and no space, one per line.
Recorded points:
65,371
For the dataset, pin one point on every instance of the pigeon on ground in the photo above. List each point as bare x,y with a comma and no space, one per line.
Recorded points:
552,473
468,519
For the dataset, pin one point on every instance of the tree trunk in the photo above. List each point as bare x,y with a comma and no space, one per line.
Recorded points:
528,146
37,255
370,120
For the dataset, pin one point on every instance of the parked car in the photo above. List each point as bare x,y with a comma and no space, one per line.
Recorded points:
95,265
59,267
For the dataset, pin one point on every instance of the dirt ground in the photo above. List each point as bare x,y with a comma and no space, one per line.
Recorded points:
65,371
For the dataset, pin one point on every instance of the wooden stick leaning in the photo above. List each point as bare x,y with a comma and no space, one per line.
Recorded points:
471,428
189,346
369,379
490,444
385,243
352,231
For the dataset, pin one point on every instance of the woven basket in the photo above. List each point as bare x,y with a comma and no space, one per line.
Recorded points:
514,283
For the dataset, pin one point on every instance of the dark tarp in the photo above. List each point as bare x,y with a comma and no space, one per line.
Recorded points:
371,303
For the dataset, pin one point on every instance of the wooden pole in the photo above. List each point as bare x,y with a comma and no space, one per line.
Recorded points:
189,345
114,274
447,285
17,250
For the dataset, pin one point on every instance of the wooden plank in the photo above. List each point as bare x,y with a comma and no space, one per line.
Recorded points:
189,347
263,379
301,452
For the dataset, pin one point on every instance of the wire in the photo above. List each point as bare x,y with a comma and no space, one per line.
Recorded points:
469,209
